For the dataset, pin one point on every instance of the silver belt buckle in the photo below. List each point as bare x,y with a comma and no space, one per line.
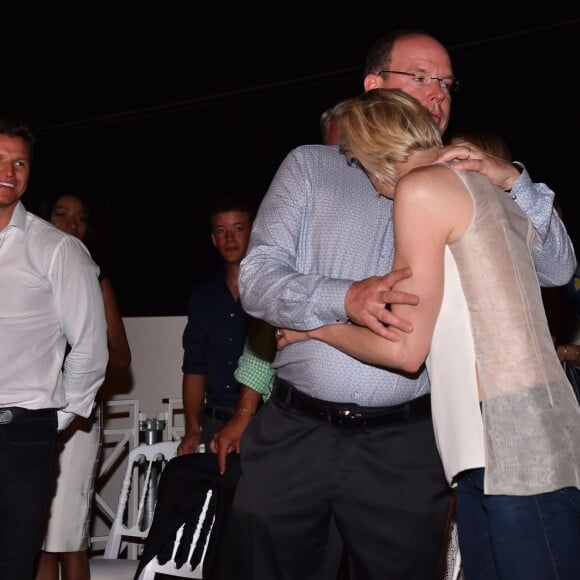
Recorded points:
6,416
345,416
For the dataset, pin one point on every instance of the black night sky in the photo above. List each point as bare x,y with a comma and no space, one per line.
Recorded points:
150,109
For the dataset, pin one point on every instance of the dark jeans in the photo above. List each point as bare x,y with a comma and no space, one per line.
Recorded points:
506,537
28,456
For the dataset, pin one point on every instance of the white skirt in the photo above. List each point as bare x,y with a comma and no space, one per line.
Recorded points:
70,513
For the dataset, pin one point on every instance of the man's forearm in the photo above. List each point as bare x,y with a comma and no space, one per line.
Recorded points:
248,402
554,255
193,394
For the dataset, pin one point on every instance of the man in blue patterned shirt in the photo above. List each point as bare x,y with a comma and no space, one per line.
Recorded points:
339,439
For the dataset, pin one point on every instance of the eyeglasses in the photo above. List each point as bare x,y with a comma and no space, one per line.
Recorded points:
421,80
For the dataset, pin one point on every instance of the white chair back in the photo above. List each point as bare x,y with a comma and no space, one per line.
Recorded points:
134,512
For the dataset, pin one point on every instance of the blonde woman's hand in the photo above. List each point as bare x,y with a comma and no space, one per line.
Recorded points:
286,336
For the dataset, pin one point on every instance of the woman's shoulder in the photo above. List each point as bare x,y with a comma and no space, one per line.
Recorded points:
430,181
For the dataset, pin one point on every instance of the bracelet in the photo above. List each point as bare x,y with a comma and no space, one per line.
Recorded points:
241,412
565,354
575,359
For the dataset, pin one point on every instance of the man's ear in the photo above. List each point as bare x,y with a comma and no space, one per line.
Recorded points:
372,82
213,241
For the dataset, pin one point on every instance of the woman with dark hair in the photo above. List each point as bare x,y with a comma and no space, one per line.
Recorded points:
68,533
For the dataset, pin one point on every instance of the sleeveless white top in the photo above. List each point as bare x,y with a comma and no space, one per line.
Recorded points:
492,331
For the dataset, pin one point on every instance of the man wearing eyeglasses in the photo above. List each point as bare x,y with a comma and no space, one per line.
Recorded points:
338,439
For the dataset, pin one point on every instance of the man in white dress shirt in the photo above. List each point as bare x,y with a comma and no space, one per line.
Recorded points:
49,296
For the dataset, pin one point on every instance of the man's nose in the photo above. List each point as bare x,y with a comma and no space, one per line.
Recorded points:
7,168
437,92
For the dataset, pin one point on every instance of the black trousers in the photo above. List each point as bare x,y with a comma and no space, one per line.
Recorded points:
384,487
28,456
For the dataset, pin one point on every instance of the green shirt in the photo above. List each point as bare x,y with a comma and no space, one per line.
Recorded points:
254,369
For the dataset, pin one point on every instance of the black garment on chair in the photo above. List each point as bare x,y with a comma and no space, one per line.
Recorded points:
180,497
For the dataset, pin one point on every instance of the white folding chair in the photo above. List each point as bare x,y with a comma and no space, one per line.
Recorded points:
134,511
454,571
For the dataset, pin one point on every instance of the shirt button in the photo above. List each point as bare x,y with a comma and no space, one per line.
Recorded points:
228,387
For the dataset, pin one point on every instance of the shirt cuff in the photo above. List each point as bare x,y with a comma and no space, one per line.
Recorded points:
64,419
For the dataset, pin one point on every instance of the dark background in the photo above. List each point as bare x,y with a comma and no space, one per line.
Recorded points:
151,109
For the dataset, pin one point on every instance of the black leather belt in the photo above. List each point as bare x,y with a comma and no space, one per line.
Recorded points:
9,414
350,414
223,416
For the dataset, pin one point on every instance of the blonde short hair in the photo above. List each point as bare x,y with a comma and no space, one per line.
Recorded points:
382,128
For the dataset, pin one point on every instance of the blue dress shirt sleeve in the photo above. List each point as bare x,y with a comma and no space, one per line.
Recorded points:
554,254
272,285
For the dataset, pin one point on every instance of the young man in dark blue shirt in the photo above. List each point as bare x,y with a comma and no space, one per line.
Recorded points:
214,336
